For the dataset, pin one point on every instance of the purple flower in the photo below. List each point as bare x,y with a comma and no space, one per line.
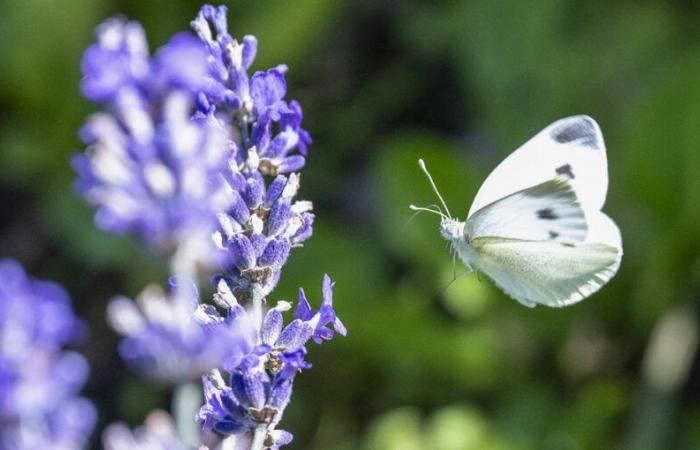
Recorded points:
190,144
150,168
262,226
172,340
181,64
39,381
277,438
267,124
119,60
267,90
157,433
257,390
323,316
229,60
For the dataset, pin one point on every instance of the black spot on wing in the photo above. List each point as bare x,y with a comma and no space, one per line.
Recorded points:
553,234
581,131
565,170
546,214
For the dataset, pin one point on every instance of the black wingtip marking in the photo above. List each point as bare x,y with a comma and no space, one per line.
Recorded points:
581,130
553,234
546,214
565,170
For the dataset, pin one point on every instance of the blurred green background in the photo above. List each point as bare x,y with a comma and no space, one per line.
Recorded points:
382,83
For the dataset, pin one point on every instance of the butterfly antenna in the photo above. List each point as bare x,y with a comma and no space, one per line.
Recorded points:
426,209
418,211
421,163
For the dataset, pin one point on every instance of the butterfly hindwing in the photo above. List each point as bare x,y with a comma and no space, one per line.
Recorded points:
572,148
546,272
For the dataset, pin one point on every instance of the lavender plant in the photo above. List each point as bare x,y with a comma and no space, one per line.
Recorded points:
201,160
39,380
157,433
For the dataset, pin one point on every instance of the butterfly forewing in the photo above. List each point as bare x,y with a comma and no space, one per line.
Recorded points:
572,147
547,211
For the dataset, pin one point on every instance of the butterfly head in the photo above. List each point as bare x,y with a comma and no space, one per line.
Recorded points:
451,229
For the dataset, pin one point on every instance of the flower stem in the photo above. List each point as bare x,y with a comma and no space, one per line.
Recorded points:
257,307
186,402
183,269
259,437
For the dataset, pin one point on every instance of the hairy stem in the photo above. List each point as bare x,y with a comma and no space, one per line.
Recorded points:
183,268
257,300
259,437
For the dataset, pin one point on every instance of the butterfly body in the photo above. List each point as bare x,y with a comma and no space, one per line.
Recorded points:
536,227
453,231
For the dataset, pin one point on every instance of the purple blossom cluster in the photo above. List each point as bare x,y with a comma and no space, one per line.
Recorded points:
268,126
263,222
192,148
260,386
171,340
157,433
39,380
260,229
150,169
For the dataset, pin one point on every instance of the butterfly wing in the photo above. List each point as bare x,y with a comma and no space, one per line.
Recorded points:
572,147
547,211
546,272
540,246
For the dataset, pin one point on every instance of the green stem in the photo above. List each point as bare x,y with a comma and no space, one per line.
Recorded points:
186,402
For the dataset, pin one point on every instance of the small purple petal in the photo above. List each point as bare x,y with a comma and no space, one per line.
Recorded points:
242,252
253,194
239,209
304,232
259,242
339,327
280,438
182,63
275,254
327,290
250,49
295,335
274,191
268,88
292,163
280,395
280,215
303,310
272,326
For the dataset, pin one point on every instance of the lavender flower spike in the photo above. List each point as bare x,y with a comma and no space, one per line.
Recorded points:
254,394
39,381
260,230
256,106
172,341
158,433
150,168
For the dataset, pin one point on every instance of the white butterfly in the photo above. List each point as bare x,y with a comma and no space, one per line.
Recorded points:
536,226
